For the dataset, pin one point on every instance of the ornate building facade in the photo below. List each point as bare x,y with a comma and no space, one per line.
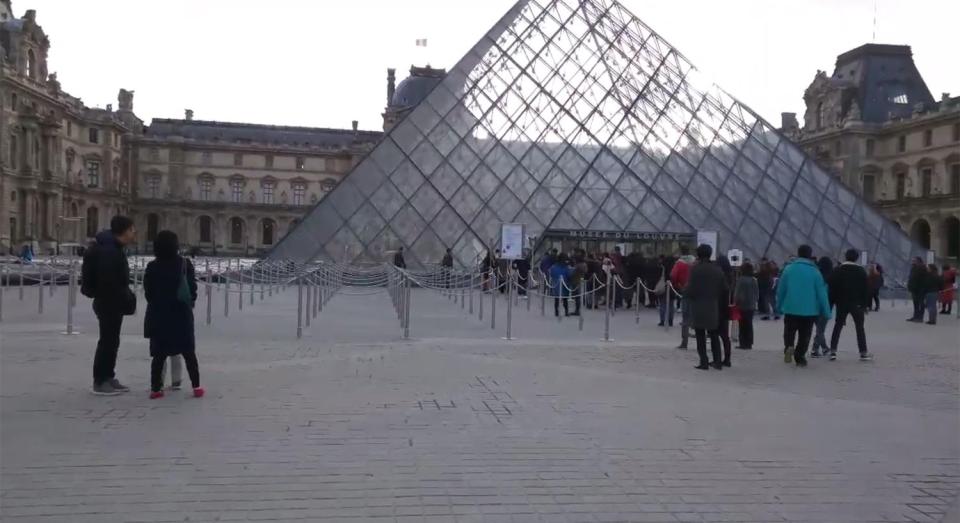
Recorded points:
874,123
61,163
224,188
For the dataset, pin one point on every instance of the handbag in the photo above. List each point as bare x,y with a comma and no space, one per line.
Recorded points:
735,313
183,289
661,287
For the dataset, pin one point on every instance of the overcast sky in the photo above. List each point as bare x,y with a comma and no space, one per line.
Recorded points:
323,62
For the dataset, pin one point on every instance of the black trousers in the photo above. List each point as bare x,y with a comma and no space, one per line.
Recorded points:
857,314
156,370
105,359
701,335
918,305
875,299
796,333
522,284
556,305
746,329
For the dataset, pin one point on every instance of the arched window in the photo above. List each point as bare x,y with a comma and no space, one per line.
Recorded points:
93,221
236,231
206,229
920,233
950,237
31,64
153,226
266,231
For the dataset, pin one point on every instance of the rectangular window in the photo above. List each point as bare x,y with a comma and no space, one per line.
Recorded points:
206,187
869,187
69,129
13,101
14,151
871,145
299,191
928,138
837,148
238,159
154,154
955,178
94,135
926,181
902,144
236,190
956,132
268,160
206,229
901,185
93,173
268,192
301,163
153,187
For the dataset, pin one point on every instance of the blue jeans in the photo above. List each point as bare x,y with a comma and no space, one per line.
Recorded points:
820,339
665,304
931,300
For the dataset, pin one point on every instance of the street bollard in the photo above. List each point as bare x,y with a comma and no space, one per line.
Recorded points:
606,316
299,308
209,293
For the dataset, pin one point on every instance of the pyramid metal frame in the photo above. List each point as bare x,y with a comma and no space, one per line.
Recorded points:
573,114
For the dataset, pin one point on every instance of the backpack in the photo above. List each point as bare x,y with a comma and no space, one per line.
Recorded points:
88,273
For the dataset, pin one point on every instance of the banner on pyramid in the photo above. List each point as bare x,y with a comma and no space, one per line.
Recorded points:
575,115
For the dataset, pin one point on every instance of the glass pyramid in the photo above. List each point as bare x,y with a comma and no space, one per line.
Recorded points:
575,115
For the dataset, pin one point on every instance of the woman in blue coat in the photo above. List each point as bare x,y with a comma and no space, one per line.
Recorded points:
560,273
170,287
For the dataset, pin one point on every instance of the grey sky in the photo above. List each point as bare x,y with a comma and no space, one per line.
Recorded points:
323,62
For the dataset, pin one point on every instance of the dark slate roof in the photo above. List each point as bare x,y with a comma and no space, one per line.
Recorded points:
888,84
413,89
230,132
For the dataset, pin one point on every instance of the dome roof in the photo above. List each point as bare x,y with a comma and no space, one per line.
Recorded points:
413,89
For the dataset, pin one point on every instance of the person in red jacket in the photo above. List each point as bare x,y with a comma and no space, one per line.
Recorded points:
679,277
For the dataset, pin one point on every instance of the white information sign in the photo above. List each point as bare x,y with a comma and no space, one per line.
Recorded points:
511,241
709,238
931,257
863,258
736,257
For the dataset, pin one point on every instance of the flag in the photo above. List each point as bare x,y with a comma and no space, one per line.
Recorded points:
421,42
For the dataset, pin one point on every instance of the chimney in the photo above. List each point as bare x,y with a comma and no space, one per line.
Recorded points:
391,84
944,97
788,122
30,14
188,114
355,124
109,108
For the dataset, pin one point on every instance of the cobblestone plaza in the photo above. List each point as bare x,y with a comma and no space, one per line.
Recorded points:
354,423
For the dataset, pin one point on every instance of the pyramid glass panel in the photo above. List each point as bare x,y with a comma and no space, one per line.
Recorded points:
572,116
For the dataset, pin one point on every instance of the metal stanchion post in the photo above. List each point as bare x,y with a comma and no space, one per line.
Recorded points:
209,293
482,290
509,305
21,282
263,284
226,295
40,290
4,280
543,295
637,301
272,280
493,301
406,308
71,289
239,287
299,308
606,316
582,307
53,279
309,299
253,285
470,292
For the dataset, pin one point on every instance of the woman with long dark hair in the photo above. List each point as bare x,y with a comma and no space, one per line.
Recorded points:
170,287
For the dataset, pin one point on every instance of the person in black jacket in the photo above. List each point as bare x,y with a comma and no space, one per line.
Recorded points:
398,260
170,286
522,266
932,284
106,279
849,291
915,284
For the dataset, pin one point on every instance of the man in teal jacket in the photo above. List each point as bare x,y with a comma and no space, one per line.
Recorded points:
802,298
